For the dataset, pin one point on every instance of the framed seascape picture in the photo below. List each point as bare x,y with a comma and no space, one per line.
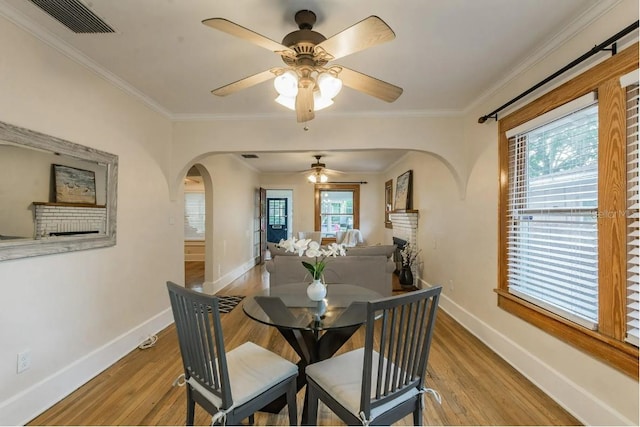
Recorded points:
74,185
403,191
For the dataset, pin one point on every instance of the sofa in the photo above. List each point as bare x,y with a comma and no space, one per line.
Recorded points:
368,266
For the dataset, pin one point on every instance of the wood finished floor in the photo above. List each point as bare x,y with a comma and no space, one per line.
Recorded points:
477,387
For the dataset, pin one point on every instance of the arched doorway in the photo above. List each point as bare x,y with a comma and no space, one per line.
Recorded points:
198,213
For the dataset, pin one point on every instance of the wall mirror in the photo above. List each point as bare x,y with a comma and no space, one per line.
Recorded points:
55,196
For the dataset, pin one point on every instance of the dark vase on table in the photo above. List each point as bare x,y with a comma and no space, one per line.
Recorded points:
406,276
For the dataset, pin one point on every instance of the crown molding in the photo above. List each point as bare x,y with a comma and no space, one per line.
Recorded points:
289,115
549,46
19,19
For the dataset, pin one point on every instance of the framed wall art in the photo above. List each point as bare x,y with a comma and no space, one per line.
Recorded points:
403,191
74,185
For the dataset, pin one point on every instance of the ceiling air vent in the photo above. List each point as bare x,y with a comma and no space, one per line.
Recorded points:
74,15
249,156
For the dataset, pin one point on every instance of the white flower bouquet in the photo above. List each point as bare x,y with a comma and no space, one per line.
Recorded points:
312,249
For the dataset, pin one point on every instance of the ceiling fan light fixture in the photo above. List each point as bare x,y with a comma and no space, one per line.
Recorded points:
317,177
286,84
320,101
307,54
287,101
330,85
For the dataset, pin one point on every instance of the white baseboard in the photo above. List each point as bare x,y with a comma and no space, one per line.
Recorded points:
26,405
587,408
227,279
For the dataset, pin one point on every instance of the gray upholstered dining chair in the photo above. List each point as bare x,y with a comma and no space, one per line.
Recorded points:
384,381
231,386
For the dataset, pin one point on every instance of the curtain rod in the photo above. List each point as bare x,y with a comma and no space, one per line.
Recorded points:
602,46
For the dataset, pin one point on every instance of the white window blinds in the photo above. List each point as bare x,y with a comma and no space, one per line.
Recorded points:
194,216
552,240
633,203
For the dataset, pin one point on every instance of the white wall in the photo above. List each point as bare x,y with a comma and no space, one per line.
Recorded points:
230,187
79,312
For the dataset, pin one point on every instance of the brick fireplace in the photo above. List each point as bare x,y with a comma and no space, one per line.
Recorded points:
60,219
405,230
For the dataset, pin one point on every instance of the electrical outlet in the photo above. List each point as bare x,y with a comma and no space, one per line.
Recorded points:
450,285
24,361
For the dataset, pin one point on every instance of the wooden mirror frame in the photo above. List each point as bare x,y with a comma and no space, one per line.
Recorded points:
13,249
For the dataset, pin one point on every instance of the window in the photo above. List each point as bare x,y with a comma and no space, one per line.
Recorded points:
568,263
194,215
552,236
337,208
630,82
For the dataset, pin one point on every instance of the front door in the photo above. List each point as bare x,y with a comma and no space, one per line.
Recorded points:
276,219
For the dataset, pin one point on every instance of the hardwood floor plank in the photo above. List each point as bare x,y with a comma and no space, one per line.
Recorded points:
476,385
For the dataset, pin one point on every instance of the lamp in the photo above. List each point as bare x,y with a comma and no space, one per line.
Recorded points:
327,87
317,176
287,101
319,102
286,84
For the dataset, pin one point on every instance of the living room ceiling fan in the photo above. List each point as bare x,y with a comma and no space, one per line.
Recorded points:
309,83
318,172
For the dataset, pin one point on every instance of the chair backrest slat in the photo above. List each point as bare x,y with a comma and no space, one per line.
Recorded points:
197,320
419,316
397,360
410,333
399,329
433,307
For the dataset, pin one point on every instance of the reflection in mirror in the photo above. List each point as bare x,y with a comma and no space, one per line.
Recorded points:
35,219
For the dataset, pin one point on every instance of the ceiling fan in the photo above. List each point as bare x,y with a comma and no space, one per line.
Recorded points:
308,83
319,171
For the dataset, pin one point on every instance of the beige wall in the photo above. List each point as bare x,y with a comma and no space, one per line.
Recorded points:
230,187
94,306
79,312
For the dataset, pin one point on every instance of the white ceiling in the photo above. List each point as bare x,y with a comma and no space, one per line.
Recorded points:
447,54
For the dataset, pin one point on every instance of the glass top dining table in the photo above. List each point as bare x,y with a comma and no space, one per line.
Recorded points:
288,306
314,329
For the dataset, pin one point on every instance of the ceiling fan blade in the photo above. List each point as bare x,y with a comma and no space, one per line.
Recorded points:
369,85
332,172
369,32
243,83
244,33
304,102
